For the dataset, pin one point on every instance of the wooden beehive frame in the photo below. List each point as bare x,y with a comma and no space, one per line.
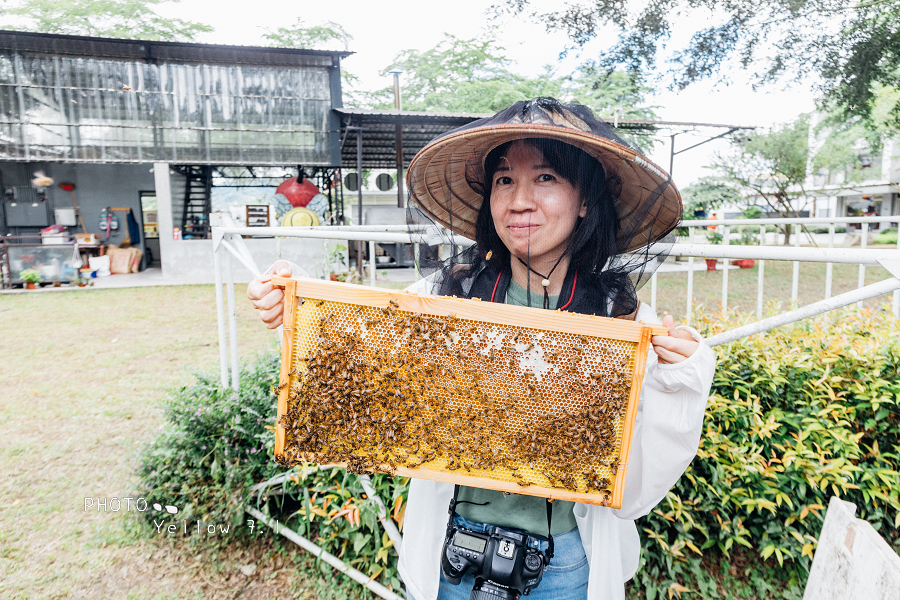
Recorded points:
494,313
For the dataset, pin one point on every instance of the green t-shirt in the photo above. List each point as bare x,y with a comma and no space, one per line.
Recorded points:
516,511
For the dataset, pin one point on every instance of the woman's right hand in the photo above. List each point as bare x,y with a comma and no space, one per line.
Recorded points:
268,299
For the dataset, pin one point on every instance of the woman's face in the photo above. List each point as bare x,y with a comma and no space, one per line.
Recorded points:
532,202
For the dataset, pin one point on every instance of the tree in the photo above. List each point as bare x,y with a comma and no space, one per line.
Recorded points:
458,75
851,46
771,166
328,36
474,76
128,19
706,195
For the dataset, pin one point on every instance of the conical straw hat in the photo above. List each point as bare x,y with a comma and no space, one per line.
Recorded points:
445,175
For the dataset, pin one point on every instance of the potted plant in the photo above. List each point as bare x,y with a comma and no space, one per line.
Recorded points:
715,238
30,277
335,256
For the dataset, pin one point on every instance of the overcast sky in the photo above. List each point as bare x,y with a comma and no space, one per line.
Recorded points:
382,28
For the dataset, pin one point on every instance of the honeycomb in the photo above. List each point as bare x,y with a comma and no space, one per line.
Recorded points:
377,388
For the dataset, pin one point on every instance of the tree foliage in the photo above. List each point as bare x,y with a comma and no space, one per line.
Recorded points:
328,36
769,167
128,19
849,45
475,76
708,194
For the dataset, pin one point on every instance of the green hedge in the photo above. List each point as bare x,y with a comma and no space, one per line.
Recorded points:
217,444
796,415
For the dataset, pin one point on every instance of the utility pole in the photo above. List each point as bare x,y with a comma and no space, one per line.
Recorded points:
398,131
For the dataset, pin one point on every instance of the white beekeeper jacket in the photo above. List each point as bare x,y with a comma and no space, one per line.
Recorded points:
666,437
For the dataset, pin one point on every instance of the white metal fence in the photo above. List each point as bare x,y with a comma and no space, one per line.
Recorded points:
797,254
230,240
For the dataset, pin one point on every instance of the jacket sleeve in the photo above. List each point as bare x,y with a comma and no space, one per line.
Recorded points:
667,427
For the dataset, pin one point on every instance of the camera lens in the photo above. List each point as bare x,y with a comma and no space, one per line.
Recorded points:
485,590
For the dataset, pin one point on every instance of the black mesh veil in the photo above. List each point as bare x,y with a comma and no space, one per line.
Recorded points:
631,208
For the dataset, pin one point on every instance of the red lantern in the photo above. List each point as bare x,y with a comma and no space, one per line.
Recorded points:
297,193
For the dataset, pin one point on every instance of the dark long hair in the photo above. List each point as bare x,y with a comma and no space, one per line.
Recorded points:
593,240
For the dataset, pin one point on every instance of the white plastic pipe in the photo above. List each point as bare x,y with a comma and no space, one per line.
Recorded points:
897,293
653,291
802,220
220,318
383,516
339,565
372,263
232,320
811,310
863,242
725,242
795,282
762,269
838,255
829,268
690,281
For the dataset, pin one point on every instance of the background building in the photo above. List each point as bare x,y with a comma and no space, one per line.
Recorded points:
99,113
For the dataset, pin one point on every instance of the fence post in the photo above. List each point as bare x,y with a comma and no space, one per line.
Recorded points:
795,284
725,236
220,315
690,282
829,268
762,268
232,319
653,291
863,242
897,292
372,264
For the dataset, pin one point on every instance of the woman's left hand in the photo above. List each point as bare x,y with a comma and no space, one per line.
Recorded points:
679,345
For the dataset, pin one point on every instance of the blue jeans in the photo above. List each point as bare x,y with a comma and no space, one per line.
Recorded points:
566,578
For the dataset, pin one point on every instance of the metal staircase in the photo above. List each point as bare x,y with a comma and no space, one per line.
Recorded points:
197,201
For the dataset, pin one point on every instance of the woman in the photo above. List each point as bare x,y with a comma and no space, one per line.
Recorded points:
567,216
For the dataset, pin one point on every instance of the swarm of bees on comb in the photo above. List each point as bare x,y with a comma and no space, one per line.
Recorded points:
379,388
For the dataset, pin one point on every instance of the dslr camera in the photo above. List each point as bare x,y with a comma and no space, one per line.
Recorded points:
503,564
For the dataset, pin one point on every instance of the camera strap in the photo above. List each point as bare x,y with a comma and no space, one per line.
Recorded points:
548,539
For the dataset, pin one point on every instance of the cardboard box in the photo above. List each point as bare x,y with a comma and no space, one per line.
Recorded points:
87,239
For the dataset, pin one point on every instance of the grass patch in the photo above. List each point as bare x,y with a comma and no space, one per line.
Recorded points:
82,384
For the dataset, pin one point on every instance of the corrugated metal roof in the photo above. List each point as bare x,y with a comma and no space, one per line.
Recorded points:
153,51
419,128
379,133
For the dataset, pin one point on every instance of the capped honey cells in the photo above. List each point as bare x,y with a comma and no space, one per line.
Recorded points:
379,389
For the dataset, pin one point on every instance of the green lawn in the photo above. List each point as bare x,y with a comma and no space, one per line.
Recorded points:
83,376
